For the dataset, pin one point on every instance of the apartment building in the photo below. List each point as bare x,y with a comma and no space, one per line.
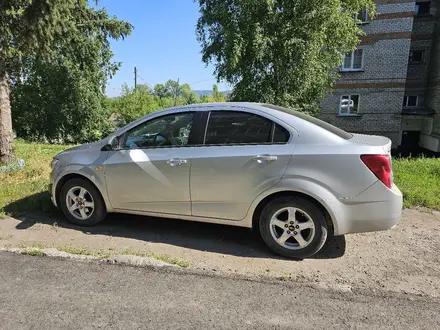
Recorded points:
391,84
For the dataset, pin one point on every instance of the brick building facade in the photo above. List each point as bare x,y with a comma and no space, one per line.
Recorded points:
391,84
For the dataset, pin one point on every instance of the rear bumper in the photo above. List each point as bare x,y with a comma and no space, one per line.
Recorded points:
378,208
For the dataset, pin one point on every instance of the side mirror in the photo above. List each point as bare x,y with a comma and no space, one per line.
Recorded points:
112,144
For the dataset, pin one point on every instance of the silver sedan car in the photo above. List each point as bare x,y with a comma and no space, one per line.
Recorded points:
294,178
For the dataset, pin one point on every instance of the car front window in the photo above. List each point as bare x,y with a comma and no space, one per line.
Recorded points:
166,131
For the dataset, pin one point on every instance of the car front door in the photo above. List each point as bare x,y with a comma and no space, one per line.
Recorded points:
150,172
243,154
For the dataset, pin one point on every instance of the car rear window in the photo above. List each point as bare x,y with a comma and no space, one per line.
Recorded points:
324,125
232,127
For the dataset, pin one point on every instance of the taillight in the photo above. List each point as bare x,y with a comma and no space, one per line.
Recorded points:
380,165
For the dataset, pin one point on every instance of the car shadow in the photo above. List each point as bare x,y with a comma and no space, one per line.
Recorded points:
215,238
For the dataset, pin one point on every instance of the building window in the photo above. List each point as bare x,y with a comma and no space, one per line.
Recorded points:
362,16
349,105
422,8
416,56
353,61
410,101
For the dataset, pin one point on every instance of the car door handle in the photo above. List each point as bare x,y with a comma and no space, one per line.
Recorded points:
176,161
264,159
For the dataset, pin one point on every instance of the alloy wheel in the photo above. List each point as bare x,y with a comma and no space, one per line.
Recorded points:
80,203
292,228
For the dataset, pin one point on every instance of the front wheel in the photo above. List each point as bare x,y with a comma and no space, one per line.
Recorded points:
293,227
82,203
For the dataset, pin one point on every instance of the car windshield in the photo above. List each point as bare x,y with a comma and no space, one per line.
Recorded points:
328,127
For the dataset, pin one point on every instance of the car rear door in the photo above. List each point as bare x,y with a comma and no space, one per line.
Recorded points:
244,153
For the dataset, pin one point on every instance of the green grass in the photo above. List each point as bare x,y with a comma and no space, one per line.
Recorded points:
36,249
33,252
419,181
162,257
25,190
33,246
68,249
84,251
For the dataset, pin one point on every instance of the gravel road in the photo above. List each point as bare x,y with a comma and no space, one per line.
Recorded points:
52,293
405,259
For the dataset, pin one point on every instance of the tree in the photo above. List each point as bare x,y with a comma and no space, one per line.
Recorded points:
160,90
59,103
174,90
133,104
31,28
58,93
189,96
216,95
172,93
278,51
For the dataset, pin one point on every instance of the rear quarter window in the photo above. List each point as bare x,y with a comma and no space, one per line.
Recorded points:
280,135
324,125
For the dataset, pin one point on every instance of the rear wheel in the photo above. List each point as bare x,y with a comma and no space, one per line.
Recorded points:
293,227
81,203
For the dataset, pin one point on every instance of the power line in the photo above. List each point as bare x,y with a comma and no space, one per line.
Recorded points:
137,75
197,82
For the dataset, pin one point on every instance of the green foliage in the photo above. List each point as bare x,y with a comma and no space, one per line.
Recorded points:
276,51
135,103
188,95
132,104
216,95
61,98
34,27
57,104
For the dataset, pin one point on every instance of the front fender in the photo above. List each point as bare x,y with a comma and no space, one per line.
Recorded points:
94,173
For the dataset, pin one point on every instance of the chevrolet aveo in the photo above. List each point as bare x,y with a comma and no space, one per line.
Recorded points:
294,178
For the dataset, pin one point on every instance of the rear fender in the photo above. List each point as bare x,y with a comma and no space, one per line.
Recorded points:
306,187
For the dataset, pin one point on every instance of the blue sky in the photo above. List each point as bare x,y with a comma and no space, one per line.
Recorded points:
162,45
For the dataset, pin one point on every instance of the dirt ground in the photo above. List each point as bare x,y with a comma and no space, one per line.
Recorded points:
405,259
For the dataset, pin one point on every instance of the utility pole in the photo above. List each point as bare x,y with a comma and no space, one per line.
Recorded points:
135,77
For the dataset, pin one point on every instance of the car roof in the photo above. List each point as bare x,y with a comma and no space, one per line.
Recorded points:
298,120
222,105
313,131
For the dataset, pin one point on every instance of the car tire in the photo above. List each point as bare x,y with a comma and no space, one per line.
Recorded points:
82,198
298,236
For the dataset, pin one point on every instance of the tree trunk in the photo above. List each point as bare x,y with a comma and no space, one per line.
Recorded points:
6,152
